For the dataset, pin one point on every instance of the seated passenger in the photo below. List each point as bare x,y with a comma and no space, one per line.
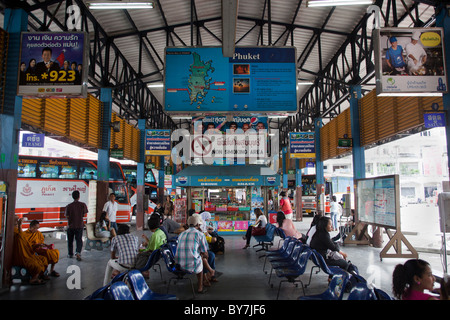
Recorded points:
24,256
172,227
261,221
288,227
158,237
192,249
36,240
411,279
322,243
124,249
102,227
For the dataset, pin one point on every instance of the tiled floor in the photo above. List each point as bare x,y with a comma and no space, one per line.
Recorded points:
242,275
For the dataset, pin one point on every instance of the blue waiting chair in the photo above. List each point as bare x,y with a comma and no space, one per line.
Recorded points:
153,262
266,240
319,262
118,291
293,272
287,262
174,268
280,232
100,293
382,295
141,290
283,252
361,291
335,290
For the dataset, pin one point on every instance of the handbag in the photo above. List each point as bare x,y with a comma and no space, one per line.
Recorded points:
334,255
141,259
258,231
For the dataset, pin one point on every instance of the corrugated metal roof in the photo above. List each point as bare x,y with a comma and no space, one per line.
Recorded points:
169,24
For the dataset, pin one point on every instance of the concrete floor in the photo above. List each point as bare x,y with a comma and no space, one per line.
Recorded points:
242,275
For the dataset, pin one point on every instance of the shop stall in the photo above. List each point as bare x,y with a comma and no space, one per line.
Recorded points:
230,194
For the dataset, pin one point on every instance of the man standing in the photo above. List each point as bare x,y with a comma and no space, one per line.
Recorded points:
416,55
74,214
192,248
124,249
110,208
36,240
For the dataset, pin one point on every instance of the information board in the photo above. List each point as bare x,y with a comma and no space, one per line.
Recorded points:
302,145
378,200
157,142
255,79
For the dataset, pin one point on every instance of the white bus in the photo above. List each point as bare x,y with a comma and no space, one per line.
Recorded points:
45,186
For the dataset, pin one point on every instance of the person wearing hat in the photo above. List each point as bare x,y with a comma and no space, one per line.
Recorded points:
394,57
192,249
416,55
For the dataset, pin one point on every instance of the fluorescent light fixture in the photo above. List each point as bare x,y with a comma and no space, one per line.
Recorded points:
111,5
305,83
155,85
410,94
334,3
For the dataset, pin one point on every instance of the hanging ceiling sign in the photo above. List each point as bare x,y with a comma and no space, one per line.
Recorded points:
410,61
157,142
255,79
53,64
302,145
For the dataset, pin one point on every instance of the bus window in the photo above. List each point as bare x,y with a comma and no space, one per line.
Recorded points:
88,171
149,177
130,175
115,172
68,172
120,192
48,170
27,170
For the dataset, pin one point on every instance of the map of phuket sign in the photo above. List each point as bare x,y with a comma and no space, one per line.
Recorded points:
53,64
256,79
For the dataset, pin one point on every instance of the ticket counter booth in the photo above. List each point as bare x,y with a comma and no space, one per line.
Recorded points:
230,194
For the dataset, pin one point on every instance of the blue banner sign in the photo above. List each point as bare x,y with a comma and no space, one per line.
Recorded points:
258,79
226,181
434,119
33,140
157,142
301,145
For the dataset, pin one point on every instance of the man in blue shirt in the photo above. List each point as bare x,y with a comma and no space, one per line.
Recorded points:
394,57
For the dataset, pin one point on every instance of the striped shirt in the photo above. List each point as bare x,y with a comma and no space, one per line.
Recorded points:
190,244
126,247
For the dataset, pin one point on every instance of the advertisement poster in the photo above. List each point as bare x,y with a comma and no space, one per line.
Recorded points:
157,142
53,64
410,60
255,79
302,145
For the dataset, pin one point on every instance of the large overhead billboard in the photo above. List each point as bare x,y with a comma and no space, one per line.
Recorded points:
53,64
255,80
410,61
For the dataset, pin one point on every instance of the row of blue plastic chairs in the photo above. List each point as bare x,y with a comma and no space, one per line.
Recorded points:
290,262
131,285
